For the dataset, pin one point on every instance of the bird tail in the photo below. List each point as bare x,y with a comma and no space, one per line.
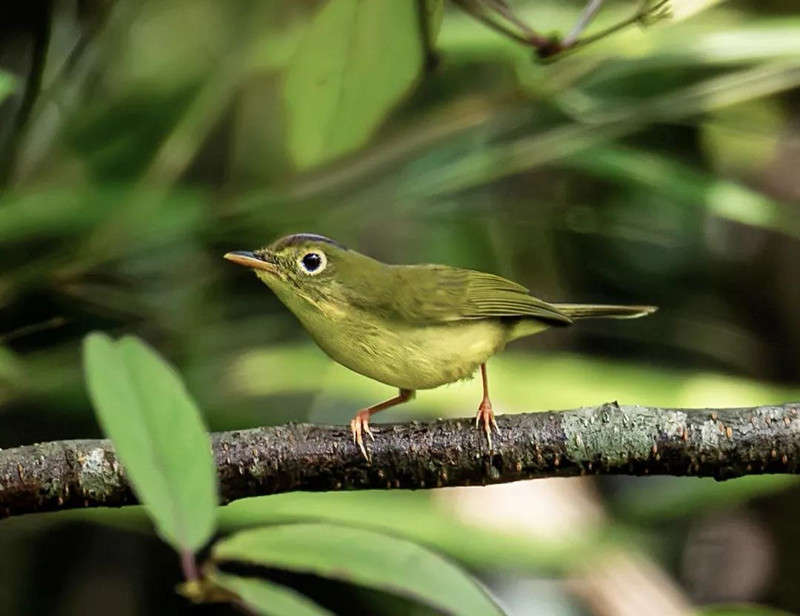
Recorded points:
592,311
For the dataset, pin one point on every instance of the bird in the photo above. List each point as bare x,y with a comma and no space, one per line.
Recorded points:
412,327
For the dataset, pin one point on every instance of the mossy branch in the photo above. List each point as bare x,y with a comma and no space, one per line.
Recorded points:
606,439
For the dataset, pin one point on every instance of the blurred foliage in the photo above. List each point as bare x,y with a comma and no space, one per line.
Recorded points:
360,557
139,141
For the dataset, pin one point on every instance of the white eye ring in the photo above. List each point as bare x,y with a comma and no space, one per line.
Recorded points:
313,262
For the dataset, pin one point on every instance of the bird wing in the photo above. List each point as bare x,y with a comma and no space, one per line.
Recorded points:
437,293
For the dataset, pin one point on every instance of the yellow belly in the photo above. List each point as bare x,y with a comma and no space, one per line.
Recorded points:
410,356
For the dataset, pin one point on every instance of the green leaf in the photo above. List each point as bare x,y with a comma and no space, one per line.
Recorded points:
361,557
266,598
355,61
143,406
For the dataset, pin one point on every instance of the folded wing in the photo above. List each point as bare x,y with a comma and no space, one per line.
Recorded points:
434,293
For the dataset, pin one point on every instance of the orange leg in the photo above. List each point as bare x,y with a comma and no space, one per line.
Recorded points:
360,423
485,414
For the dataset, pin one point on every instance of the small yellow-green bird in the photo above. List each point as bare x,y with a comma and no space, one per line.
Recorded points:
409,326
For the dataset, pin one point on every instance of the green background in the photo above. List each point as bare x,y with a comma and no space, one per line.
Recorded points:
140,141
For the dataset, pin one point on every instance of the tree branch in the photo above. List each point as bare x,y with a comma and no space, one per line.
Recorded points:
606,439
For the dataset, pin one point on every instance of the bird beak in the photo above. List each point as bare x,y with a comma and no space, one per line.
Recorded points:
251,260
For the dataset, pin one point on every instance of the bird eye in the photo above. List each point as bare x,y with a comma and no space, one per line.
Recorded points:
313,262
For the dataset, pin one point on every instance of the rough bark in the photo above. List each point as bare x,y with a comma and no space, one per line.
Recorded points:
606,439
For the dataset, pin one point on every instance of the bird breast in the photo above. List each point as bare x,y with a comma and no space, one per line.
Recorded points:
408,355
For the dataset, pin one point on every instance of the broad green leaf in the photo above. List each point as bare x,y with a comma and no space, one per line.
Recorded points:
143,406
355,61
361,557
740,610
267,598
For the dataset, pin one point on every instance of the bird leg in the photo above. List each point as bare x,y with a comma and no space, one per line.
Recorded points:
485,414
360,423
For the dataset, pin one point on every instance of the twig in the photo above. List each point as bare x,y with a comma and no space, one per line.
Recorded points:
606,439
645,15
473,8
493,13
588,14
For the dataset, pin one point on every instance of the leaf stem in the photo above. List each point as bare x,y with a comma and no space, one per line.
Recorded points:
189,566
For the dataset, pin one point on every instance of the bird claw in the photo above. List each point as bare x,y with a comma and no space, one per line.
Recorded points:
358,425
485,416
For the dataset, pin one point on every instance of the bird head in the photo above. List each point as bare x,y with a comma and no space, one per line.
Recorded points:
301,266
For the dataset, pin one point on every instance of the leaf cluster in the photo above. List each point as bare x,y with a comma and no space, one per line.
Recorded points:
160,438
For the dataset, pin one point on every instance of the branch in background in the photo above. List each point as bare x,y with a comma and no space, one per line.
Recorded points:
607,439
497,15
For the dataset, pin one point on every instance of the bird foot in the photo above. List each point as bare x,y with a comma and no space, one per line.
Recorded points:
358,426
485,420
